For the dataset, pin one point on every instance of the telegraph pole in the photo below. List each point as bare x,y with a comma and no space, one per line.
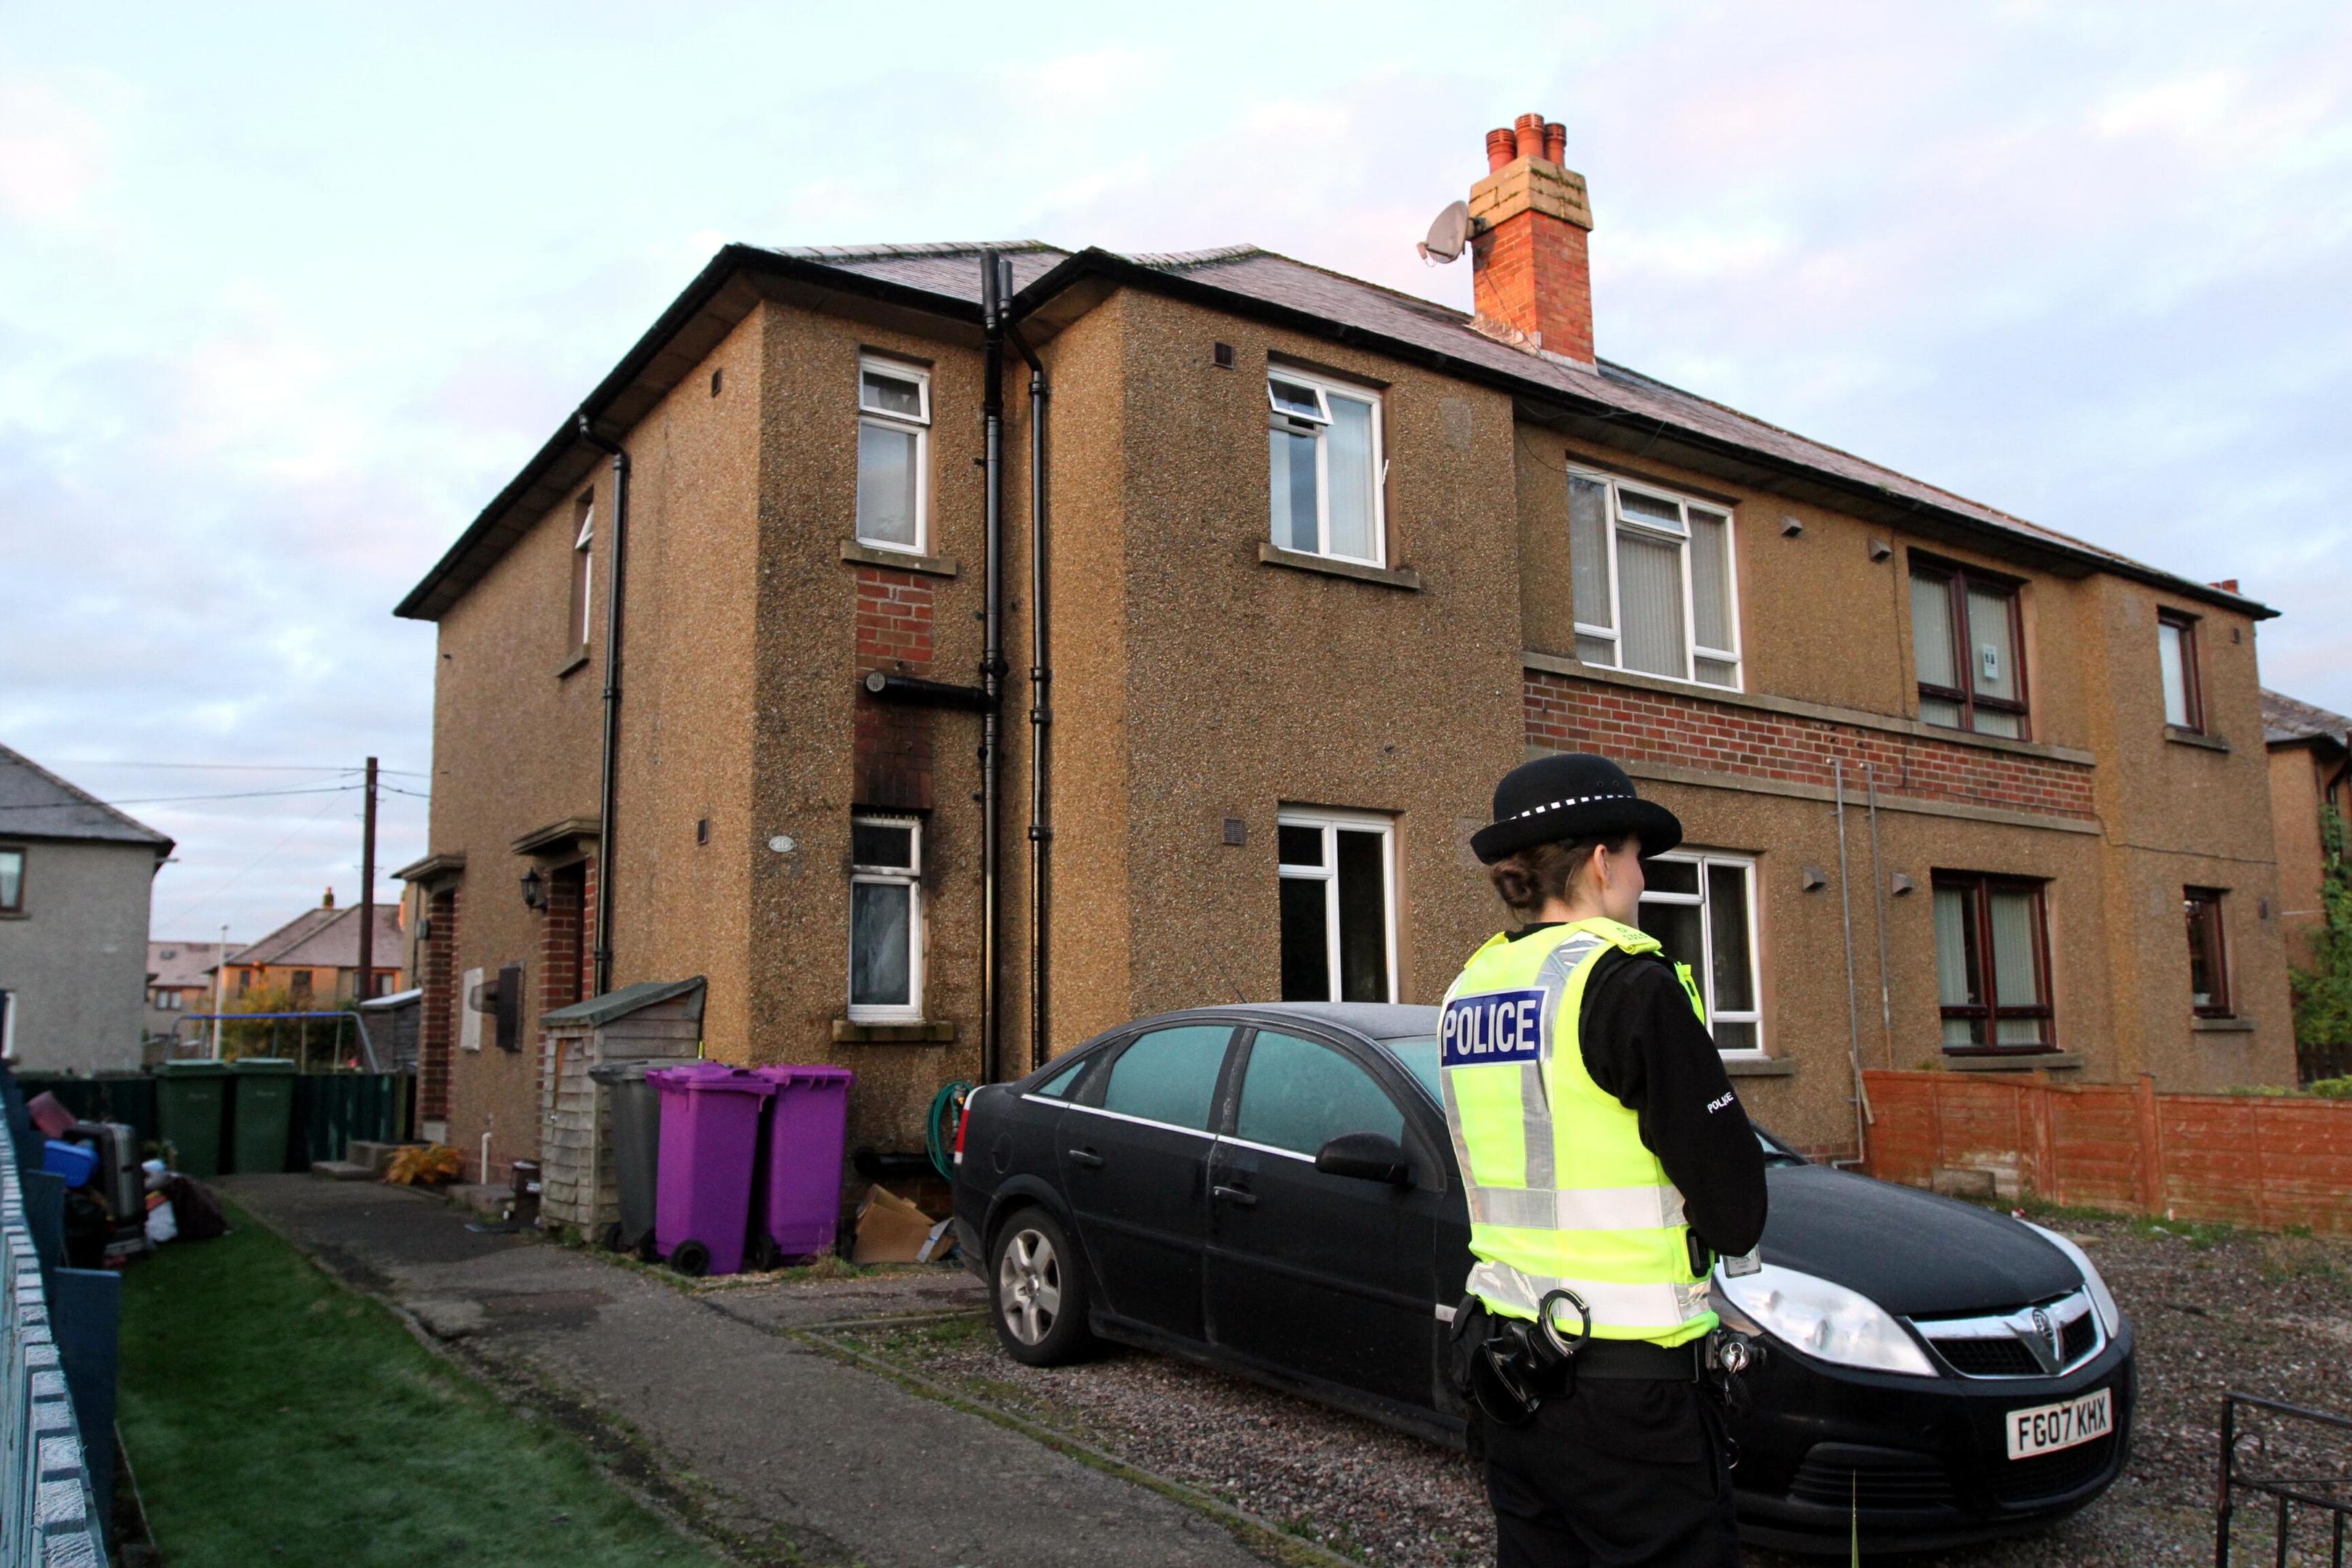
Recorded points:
363,985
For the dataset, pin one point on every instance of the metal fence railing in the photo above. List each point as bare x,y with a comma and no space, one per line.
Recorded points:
2283,1457
47,1508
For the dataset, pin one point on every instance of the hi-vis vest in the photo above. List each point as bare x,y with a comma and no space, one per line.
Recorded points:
1563,1192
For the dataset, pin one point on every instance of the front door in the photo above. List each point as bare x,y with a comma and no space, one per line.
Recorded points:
1334,1277
1135,1163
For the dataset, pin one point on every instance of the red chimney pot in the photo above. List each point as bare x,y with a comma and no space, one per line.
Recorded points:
1502,146
1555,142
1530,135
1531,274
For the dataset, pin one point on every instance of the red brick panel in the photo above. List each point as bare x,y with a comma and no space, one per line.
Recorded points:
440,1003
1633,725
1533,271
892,744
893,620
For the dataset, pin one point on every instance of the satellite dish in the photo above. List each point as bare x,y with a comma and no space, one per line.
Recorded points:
1448,236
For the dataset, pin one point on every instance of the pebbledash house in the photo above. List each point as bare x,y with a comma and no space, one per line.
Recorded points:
951,651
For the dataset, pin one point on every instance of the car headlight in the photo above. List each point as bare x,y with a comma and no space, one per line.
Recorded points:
2109,1313
1825,1321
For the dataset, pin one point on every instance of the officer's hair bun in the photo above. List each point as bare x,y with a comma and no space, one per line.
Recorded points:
1535,876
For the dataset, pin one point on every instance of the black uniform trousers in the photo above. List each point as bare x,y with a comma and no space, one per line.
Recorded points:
1615,1473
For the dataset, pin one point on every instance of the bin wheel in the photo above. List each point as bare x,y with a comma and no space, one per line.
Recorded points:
764,1255
645,1251
611,1238
690,1258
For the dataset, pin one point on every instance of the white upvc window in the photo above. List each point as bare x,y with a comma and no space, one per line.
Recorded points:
584,603
1337,887
1701,905
1653,580
894,434
1325,468
886,920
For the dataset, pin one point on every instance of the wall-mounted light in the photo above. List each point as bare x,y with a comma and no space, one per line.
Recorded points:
534,888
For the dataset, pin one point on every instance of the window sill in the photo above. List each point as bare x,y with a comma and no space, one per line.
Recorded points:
1404,578
14,915
937,1032
2221,1026
898,560
1561,663
2021,1061
1758,1067
2181,737
577,662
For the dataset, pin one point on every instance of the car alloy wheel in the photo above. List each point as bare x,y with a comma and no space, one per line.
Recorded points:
1029,1286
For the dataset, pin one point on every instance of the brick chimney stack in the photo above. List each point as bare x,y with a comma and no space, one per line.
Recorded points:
1529,260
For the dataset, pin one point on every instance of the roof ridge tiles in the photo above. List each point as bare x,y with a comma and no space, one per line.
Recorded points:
920,248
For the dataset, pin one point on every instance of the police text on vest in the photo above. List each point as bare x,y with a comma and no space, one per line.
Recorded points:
1493,1027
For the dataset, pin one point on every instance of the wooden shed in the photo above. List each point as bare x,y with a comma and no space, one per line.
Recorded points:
655,1020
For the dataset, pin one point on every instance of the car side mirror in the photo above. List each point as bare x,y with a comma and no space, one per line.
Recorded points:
1368,1156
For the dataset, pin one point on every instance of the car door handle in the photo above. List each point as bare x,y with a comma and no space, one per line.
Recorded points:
1086,1157
1241,1195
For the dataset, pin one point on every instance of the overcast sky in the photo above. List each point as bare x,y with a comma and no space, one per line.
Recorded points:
288,292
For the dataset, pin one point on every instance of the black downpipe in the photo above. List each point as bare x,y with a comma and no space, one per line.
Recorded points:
613,602
1041,712
991,660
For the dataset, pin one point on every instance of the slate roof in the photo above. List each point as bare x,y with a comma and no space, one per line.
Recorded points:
182,963
944,277
36,804
328,939
2286,721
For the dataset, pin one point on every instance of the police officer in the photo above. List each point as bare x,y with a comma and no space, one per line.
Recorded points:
1606,1162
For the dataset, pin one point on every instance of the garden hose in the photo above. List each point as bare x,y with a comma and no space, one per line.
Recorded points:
940,1134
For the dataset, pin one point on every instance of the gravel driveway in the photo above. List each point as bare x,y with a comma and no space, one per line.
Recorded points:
2214,1309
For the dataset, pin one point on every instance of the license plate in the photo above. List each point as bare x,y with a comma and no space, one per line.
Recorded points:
2048,1428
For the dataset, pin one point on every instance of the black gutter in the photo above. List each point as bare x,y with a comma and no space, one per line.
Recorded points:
614,572
1040,712
991,660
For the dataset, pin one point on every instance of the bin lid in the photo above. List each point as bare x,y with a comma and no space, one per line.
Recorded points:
782,1073
265,1064
710,1077
191,1070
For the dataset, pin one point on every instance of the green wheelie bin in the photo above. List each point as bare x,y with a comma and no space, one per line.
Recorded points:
191,1105
260,1114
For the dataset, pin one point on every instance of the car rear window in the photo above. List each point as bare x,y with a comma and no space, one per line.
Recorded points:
1058,1087
1419,1055
1170,1075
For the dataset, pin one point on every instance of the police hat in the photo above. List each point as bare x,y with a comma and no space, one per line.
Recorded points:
1567,796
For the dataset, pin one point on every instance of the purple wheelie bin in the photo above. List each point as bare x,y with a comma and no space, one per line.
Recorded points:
709,1142
799,1194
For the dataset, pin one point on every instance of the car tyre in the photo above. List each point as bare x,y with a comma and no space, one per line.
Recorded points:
1037,1290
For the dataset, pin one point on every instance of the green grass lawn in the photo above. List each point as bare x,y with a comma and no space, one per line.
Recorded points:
273,1417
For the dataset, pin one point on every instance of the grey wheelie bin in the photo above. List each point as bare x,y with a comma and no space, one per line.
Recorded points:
634,1107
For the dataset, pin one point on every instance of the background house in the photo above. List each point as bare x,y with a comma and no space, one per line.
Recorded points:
75,877
1321,561
2311,772
180,981
314,958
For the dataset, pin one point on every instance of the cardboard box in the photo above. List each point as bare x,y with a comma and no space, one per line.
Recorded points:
892,1230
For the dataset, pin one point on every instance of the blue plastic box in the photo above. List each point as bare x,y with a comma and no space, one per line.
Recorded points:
76,1163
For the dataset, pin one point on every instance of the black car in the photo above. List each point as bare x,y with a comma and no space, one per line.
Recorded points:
1270,1189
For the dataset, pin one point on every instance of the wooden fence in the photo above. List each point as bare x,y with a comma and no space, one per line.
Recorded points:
2265,1161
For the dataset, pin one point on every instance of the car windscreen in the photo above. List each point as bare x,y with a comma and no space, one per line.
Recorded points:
1419,1055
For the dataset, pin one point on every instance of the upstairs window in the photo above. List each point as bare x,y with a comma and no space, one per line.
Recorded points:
886,920
1702,910
2176,652
2208,957
1338,902
1651,576
12,881
1323,449
1968,645
1992,964
583,608
894,419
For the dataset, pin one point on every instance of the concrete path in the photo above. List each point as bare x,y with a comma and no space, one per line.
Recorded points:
847,1466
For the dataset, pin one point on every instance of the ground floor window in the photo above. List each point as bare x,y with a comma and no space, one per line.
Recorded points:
1992,964
2208,957
1702,909
886,920
1338,906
